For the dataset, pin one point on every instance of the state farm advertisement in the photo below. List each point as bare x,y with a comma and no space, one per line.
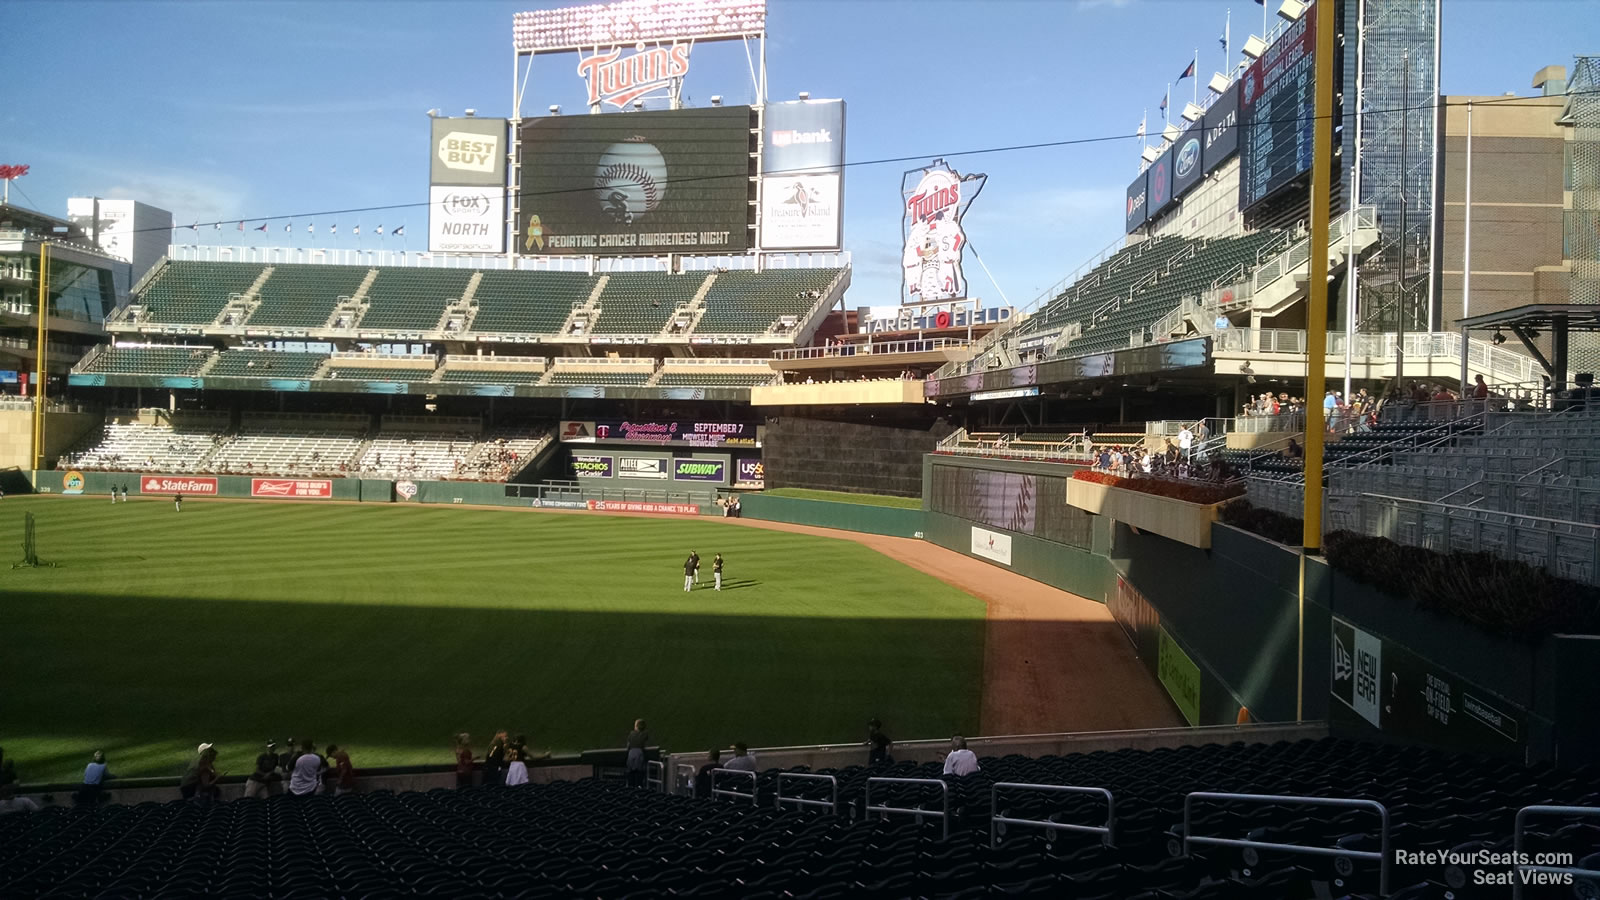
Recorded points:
177,484
291,488
670,509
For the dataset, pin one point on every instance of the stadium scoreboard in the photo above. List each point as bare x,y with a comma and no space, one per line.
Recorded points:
1275,104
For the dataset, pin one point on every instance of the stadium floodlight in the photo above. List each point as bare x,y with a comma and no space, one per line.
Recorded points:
471,113
1219,83
716,99
1254,47
1291,10
1192,113
805,95
1149,154
555,109
632,21
433,113
1170,133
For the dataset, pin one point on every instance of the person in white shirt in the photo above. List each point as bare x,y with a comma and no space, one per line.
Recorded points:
307,775
961,761
1185,441
11,803
743,760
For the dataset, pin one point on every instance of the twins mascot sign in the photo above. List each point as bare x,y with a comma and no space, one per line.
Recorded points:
936,199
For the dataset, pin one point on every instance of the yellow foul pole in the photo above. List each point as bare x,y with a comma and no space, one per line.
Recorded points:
1317,313
41,364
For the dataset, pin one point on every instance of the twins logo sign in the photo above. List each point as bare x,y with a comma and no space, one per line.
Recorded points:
936,199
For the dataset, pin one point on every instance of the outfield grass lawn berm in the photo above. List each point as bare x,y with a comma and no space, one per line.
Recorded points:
388,629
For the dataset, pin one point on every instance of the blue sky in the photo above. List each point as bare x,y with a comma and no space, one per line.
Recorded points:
253,109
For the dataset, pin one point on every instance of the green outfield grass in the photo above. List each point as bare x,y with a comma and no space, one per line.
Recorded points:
387,629
847,497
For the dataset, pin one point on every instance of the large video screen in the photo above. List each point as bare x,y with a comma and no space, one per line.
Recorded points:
636,183
1275,108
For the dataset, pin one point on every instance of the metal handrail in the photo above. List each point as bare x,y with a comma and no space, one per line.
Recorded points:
995,819
1520,833
719,792
683,778
655,775
1382,856
944,791
832,804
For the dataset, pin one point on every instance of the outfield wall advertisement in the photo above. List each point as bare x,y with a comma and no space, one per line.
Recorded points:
291,488
802,168
466,185
665,181
710,470
751,474
178,484
586,465
991,545
670,509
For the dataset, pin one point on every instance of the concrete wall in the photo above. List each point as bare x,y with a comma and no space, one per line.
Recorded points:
822,454
61,431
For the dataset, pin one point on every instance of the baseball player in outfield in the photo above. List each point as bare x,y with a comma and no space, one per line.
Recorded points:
695,557
688,572
716,570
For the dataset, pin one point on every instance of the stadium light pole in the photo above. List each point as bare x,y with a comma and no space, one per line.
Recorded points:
1466,254
1316,317
40,363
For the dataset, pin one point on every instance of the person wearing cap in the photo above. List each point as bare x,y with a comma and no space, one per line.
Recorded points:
95,776
743,760
265,781
199,781
307,774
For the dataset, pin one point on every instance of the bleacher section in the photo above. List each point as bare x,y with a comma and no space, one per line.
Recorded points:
640,303
401,299
606,378
709,378
177,447
492,376
419,455
601,839
183,292
149,361
750,302
528,302
356,372
304,296
266,364
289,448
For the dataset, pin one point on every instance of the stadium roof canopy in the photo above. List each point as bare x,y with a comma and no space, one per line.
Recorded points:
1560,319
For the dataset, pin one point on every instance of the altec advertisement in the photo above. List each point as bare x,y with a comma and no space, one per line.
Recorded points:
619,80
802,175
934,201
178,484
291,488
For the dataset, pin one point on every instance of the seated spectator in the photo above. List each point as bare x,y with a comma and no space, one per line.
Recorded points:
743,760
961,761
199,782
1294,450
463,760
702,778
11,803
95,777
265,781
307,774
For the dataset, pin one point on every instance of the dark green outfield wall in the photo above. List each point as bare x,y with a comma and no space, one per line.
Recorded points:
888,520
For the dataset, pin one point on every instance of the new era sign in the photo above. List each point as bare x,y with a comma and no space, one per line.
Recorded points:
177,484
291,488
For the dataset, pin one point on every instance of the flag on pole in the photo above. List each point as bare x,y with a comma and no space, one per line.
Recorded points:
356,230
311,228
195,226
398,231
241,226
380,231
1142,120
262,227
288,228
1188,71
1164,101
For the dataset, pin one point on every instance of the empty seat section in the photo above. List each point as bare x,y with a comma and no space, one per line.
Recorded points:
492,376
304,296
175,446
641,303
402,299
410,375
704,378
266,364
149,361
602,378
528,302
186,292
745,302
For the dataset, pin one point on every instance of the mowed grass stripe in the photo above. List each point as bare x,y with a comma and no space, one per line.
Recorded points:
389,628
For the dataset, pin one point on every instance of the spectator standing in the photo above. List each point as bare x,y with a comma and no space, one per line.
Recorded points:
743,760
878,744
344,774
638,739
961,761
286,759
494,761
702,778
463,760
199,782
265,780
11,803
1185,442
95,776
307,774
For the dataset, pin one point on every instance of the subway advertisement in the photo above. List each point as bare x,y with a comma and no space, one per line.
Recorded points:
635,183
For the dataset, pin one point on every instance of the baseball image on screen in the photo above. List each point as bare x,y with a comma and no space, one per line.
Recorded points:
637,182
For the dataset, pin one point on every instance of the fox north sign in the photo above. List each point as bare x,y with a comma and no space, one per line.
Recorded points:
620,80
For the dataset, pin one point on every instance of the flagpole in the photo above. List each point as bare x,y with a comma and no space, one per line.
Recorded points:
1168,111
1196,76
